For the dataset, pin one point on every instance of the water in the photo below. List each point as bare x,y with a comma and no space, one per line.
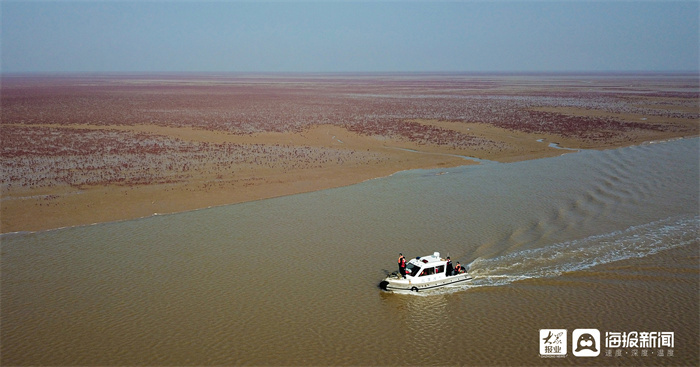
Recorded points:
599,239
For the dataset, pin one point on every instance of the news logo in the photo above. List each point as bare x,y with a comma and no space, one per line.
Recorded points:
553,343
588,343
585,342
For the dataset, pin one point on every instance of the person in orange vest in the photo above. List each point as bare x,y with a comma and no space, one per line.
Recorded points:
402,265
458,268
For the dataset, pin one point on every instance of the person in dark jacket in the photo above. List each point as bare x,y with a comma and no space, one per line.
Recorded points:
449,267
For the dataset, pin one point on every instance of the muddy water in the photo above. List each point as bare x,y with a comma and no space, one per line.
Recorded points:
594,239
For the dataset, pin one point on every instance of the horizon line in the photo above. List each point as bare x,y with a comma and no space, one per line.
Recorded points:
462,72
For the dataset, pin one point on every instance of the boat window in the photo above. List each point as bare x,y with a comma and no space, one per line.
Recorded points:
427,271
440,269
413,269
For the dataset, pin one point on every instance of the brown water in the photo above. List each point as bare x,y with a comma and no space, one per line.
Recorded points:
605,240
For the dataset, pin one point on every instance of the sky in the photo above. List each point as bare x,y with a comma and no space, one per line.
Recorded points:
348,36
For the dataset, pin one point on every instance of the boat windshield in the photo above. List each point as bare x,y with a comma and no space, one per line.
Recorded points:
413,269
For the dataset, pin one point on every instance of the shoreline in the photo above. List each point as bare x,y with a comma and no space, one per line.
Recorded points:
205,208
264,192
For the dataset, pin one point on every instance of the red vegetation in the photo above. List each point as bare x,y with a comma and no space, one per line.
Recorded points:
371,105
40,156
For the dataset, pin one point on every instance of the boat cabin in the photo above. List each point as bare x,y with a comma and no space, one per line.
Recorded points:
426,268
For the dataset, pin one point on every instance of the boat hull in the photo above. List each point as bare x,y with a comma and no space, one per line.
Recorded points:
394,284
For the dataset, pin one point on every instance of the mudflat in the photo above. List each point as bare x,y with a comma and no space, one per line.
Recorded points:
78,150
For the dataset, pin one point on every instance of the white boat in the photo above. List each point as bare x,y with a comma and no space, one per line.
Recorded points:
423,273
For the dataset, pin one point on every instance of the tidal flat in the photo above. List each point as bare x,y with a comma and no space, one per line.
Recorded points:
98,148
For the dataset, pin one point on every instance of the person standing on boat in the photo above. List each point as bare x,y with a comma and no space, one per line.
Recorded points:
402,265
449,267
458,268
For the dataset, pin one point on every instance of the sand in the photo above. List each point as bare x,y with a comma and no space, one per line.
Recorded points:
62,206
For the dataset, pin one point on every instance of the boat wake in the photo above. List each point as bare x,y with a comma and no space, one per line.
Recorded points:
554,260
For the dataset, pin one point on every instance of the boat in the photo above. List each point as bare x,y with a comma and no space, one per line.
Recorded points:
423,273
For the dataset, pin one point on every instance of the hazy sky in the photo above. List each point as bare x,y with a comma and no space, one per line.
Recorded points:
168,36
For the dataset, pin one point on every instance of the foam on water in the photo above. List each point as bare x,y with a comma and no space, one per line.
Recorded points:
554,260
557,259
